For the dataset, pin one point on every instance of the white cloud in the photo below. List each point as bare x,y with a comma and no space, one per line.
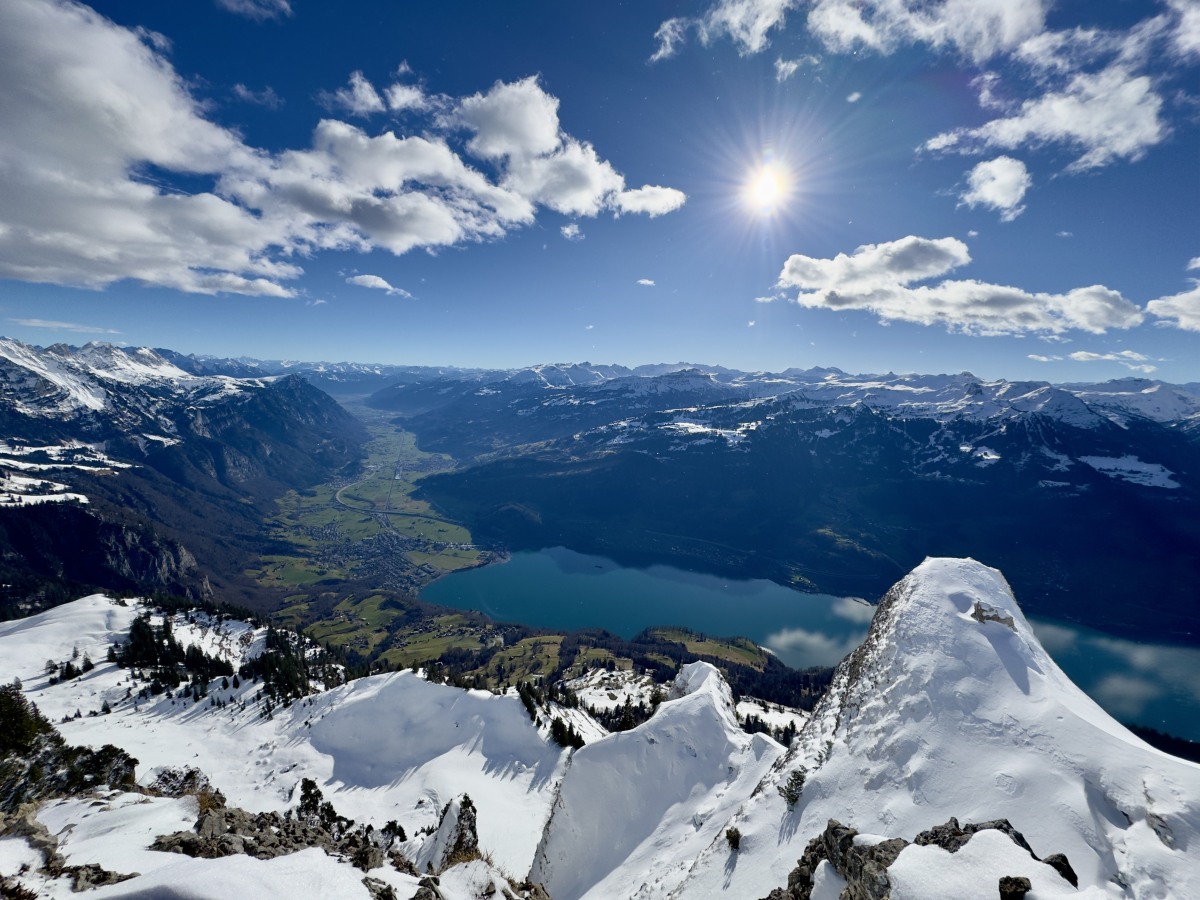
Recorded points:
315,302
976,29
1119,356
879,278
359,97
875,265
745,22
1000,184
1185,37
1037,357
571,232
650,199
1109,115
588,327
786,68
573,180
854,97
259,10
89,107
405,96
64,326
646,282
378,283
266,97
1064,234
517,120
1183,310
751,323
86,106
670,35
1193,263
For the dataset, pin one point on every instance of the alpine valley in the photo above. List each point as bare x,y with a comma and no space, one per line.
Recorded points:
219,681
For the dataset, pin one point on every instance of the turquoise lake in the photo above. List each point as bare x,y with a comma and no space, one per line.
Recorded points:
557,588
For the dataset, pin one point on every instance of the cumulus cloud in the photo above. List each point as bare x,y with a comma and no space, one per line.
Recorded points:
1038,357
359,97
259,10
1181,310
64,326
1193,263
1000,184
976,29
405,96
854,97
650,199
517,120
646,282
378,283
1109,116
880,278
90,108
573,180
86,106
571,232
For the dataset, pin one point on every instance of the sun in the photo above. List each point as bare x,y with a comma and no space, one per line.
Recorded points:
767,188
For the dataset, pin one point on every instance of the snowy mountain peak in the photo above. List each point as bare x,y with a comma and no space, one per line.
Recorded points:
952,708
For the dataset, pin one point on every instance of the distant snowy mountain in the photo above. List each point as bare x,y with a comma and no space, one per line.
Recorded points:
170,464
949,709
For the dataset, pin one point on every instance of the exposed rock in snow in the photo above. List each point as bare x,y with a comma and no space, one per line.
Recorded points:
872,868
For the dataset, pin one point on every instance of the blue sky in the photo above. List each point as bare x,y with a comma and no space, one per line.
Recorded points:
1006,186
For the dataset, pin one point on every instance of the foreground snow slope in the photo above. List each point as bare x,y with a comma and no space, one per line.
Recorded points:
952,708
636,807
380,748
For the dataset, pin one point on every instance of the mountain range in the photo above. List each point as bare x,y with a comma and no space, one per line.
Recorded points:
119,470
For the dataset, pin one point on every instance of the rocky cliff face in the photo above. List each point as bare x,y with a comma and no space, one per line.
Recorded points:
177,468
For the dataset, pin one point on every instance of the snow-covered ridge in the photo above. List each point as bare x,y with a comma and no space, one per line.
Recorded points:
61,381
951,707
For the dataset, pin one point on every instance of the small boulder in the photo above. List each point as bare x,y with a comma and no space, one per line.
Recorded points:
1014,887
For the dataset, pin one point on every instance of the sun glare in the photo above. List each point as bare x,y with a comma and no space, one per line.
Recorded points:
767,189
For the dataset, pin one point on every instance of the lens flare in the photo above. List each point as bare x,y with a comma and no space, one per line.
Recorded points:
766,189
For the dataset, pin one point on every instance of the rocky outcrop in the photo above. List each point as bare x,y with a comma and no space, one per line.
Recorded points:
24,824
864,866
226,831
